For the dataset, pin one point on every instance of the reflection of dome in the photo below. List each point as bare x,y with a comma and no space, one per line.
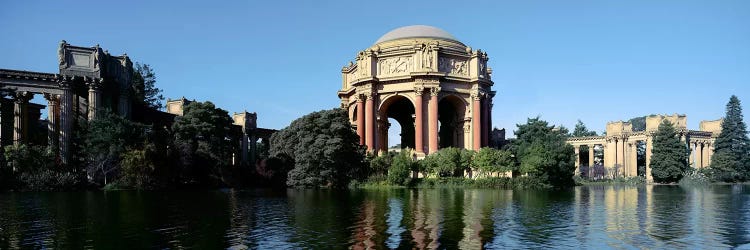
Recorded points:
416,31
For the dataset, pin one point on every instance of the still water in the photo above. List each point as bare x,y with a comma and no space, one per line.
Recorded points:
594,217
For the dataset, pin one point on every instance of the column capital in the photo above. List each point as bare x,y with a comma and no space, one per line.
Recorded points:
435,91
52,97
22,96
95,84
369,95
358,98
476,95
419,90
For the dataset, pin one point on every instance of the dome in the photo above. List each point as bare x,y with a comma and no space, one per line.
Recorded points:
416,31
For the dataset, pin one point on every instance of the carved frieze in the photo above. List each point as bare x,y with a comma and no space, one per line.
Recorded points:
453,66
395,65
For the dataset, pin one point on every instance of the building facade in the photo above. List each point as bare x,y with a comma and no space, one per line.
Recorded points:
438,89
89,80
620,152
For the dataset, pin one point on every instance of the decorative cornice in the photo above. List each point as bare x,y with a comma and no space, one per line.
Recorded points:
19,74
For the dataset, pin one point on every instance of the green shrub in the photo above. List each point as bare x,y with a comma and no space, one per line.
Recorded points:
400,169
696,177
448,162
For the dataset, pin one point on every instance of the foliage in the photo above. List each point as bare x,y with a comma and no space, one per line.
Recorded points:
144,87
33,168
202,136
543,153
448,162
696,177
669,155
139,167
580,130
618,180
523,182
325,150
731,159
399,171
379,165
276,168
105,140
638,123
490,160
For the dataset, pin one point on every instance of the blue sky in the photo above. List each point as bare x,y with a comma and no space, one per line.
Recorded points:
596,61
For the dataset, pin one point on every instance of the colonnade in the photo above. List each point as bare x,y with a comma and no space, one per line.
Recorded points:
370,121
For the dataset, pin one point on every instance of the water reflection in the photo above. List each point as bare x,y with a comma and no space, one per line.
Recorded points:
592,217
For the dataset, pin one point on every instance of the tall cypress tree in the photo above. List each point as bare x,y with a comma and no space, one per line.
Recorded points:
731,161
668,156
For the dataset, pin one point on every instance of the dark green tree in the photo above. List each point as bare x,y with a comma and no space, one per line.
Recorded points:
543,153
490,160
669,155
106,139
204,140
731,159
325,150
639,123
580,130
448,162
144,87
400,168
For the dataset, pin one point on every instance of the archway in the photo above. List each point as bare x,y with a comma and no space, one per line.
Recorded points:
451,110
400,109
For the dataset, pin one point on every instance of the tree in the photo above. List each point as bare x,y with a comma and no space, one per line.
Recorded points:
325,150
489,160
668,155
543,153
580,130
105,140
448,162
144,87
638,123
731,159
399,171
205,143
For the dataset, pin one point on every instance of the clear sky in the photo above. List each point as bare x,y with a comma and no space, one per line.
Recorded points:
596,61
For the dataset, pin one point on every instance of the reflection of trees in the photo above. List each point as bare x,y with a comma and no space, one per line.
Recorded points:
452,202
733,207
670,210
545,217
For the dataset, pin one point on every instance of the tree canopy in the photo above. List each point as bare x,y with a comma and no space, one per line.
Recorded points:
668,155
144,87
203,138
325,150
580,130
731,159
544,153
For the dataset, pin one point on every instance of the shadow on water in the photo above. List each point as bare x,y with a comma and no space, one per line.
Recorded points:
593,217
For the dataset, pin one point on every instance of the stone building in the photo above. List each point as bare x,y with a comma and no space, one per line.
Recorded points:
89,80
620,145
438,89
245,127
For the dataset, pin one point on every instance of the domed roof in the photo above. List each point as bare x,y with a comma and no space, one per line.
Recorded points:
416,31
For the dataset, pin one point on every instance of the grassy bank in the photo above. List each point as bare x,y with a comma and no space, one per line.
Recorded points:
459,182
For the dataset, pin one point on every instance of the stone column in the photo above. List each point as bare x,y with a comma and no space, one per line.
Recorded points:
53,116
94,98
476,120
243,146
20,115
710,154
67,118
633,160
361,120
624,157
706,148
578,159
649,147
691,160
124,104
608,147
699,155
591,155
369,122
485,121
432,108
418,120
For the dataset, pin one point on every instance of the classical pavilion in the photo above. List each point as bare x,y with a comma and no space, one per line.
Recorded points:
437,88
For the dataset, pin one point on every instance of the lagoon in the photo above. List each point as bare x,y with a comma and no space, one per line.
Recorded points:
595,217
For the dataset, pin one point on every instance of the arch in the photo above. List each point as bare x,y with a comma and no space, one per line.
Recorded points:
400,108
451,118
